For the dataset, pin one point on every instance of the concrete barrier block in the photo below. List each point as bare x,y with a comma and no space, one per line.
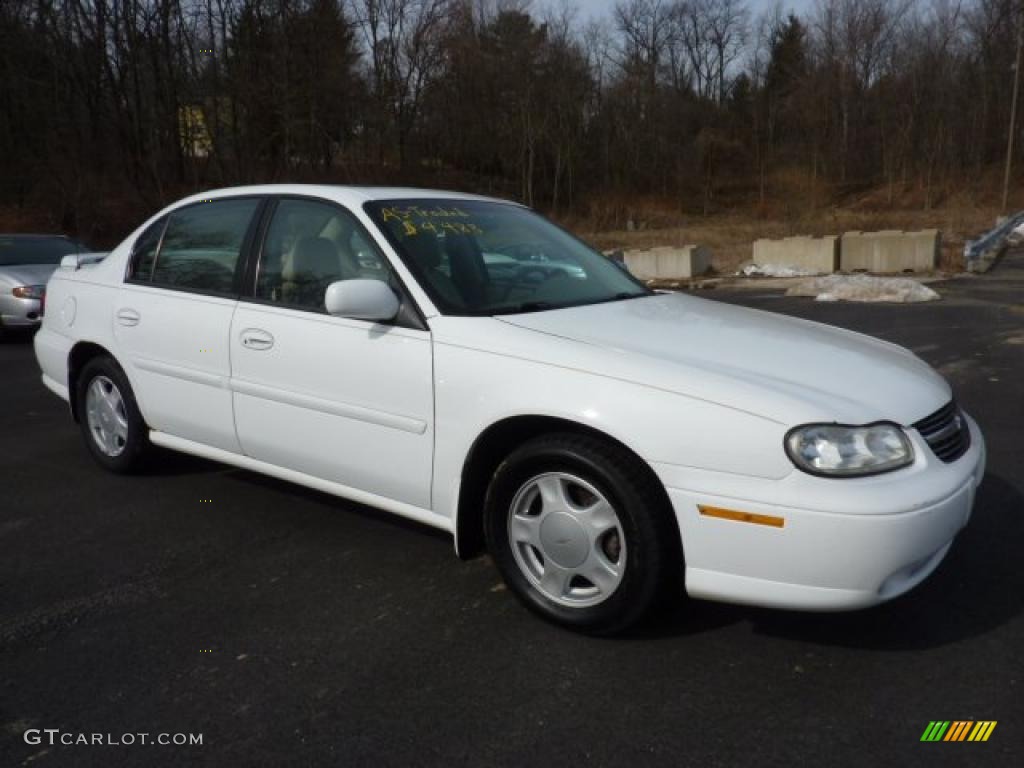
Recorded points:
813,254
642,264
890,251
927,249
669,263
856,251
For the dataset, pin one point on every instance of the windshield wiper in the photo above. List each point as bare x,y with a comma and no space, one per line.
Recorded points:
540,306
526,306
622,296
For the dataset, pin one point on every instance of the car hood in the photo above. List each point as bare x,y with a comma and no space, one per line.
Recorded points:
28,274
769,364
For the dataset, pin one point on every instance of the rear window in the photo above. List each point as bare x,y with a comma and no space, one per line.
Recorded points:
16,251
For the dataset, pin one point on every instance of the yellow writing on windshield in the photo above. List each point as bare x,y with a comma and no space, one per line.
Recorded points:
438,220
402,213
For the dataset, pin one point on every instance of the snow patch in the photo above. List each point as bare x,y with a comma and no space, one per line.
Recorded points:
899,290
775,270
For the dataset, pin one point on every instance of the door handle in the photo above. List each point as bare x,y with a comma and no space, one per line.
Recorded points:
256,339
128,317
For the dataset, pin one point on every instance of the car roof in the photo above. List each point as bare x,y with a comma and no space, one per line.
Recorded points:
352,195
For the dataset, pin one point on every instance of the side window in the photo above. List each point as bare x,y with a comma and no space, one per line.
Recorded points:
144,252
201,245
310,245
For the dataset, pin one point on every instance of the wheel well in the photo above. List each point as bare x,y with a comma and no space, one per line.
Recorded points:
490,449
79,356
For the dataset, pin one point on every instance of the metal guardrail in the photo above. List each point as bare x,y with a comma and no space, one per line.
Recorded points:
980,254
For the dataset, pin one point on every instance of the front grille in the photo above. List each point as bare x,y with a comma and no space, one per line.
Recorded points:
946,432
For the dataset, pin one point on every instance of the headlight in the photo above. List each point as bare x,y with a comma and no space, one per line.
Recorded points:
29,291
836,450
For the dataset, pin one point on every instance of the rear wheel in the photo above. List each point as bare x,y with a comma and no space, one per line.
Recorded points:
111,423
579,533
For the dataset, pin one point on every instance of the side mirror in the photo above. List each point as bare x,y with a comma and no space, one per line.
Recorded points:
362,300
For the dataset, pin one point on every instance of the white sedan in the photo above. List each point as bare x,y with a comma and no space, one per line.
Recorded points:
607,444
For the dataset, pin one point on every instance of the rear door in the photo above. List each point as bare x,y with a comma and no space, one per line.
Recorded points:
349,401
173,317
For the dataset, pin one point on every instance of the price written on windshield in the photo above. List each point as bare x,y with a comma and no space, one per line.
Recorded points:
436,220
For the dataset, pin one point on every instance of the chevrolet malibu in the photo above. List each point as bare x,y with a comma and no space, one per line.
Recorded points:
608,445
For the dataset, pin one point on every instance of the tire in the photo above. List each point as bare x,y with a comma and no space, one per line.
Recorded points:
561,553
112,426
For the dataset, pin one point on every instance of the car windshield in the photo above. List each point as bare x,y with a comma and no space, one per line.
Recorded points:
18,251
486,258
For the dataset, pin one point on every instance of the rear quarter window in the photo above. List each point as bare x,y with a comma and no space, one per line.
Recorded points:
144,252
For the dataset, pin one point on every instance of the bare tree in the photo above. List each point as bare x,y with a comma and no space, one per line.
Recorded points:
402,41
727,22
113,106
648,29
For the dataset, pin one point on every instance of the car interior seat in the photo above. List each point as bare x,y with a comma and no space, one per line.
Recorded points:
314,263
469,273
424,249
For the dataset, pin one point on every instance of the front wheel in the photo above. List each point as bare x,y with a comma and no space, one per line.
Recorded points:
111,423
580,534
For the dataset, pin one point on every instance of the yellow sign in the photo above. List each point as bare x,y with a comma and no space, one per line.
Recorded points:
195,138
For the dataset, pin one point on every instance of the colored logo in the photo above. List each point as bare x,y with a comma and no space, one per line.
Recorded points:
959,730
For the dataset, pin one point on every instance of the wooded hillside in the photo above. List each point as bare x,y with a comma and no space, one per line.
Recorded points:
111,108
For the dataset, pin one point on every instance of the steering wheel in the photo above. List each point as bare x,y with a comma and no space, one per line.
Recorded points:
526,274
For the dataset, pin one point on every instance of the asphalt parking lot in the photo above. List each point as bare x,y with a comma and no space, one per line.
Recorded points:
290,627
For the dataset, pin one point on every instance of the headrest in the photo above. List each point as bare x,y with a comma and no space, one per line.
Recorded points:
423,249
315,256
461,246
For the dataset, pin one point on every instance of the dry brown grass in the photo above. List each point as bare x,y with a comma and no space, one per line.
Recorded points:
797,204
796,207
730,236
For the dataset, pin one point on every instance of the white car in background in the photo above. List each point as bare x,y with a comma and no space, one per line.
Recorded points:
602,440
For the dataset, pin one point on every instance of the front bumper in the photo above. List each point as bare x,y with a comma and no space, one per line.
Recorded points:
844,544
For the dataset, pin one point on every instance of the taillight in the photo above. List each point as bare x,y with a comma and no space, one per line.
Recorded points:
29,291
